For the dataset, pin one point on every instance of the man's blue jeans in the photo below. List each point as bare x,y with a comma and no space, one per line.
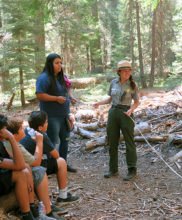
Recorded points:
59,134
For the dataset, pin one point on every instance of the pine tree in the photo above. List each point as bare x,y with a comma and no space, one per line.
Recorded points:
19,49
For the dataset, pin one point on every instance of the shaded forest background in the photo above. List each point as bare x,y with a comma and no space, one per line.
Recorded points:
91,36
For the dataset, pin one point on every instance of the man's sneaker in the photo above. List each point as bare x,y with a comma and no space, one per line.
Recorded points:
70,199
59,211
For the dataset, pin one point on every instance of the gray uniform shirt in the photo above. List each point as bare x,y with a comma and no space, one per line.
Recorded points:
122,94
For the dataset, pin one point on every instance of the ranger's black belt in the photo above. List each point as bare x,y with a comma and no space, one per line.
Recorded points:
121,106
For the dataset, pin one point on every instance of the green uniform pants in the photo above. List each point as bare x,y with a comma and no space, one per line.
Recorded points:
117,121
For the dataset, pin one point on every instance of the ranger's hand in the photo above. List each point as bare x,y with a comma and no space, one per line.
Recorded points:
96,105
128,113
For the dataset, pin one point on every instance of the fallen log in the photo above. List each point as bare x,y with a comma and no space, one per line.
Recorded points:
89,127
140,114
84,82
85,134
178,94
9,106
176,128
175,104
8,202
176,157
142,127
163,116
85,115
151,139
100,141
173,139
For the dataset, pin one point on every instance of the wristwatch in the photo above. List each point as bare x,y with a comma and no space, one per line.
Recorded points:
1,159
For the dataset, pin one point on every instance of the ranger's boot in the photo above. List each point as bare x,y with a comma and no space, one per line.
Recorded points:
110,174
132,172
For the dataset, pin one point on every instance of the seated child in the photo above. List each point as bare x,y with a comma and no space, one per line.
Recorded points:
38,172
12,174
51,160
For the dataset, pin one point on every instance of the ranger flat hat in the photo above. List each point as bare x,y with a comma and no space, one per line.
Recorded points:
124,64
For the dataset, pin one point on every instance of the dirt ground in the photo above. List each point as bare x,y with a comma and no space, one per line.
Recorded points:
156,192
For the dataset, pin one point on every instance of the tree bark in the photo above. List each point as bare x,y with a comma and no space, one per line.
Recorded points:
142,76
9,106
161,27
88,59
95,45
153,48
39,39
131,32
21,72
65,51
4,74
71,54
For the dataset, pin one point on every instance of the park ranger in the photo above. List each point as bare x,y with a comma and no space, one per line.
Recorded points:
123,90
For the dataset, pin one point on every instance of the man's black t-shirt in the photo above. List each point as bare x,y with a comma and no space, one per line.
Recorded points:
30,144
3,154
6,183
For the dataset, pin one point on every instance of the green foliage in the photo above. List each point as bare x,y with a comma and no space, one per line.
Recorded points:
173,81
93,92
19,49
90,34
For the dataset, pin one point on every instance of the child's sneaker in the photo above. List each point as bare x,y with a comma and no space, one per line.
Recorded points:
45,217
70,199
58,210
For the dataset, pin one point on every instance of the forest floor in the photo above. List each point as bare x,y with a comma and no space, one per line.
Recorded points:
156,192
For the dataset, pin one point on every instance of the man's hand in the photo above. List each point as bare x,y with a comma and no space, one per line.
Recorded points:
5,134
28,174
39,137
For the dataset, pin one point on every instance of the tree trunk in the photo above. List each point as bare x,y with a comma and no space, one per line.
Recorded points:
114,30
4,74
105,53
131,32
71,54
95,45
65,52
39,39
161,29
88,59
21,72
142,76
153,49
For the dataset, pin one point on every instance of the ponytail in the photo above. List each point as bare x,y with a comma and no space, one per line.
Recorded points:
132,83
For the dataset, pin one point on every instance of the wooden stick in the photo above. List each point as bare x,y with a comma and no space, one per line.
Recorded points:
10,102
